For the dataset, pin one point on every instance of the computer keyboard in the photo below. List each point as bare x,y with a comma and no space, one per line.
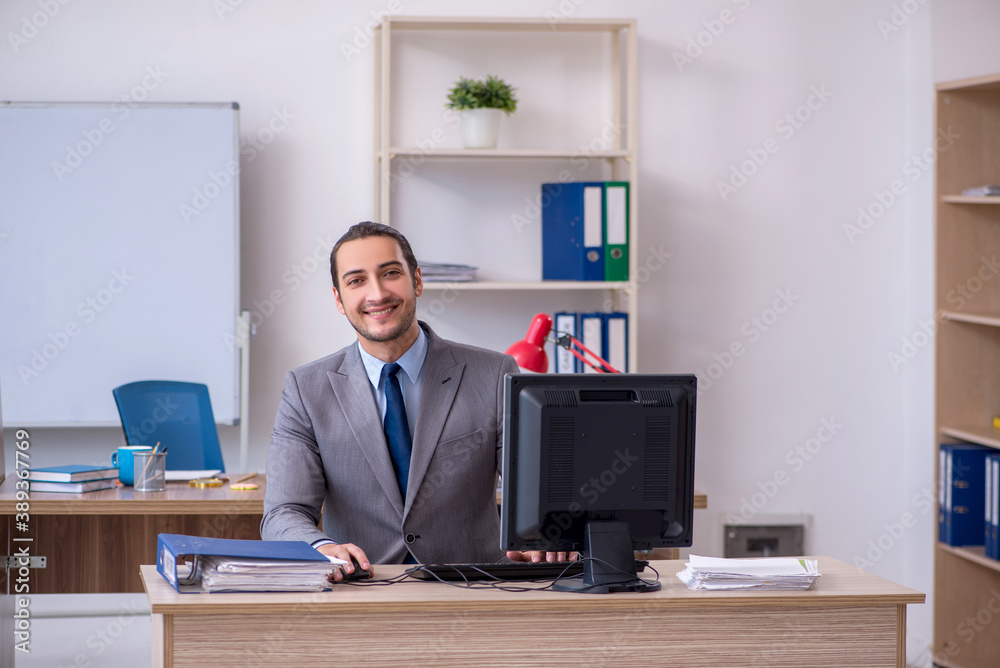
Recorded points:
506,571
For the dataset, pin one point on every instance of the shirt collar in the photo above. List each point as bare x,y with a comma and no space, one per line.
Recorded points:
411,362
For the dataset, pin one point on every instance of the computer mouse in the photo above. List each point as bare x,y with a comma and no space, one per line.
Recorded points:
358,574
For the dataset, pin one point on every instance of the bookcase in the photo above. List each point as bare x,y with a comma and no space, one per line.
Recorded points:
576,121
967,342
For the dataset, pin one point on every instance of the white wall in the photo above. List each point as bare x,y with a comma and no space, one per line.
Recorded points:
849,300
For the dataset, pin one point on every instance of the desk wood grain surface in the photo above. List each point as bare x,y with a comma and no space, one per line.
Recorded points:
851,618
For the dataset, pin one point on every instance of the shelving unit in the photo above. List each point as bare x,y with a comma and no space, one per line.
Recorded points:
967,394
554,134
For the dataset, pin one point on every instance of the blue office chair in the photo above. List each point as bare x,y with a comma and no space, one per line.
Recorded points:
177,415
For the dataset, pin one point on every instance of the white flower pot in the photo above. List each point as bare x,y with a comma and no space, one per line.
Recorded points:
480,128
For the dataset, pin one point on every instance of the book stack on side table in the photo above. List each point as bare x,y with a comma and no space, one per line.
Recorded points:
72,478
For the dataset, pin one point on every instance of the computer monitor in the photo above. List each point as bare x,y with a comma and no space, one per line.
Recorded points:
602,464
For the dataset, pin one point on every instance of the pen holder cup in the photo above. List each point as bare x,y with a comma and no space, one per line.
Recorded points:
150,471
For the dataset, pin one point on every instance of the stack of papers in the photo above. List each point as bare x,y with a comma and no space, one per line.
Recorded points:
433,271
777,574
220,574
982,191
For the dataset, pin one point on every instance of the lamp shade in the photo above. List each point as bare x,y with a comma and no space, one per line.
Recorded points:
529,353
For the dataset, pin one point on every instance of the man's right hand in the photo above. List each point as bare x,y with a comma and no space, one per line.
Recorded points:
345,551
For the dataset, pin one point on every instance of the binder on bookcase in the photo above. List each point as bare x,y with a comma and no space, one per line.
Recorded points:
564,361
963,513
592,335
573,231
616,340
616,215
993,507
988,507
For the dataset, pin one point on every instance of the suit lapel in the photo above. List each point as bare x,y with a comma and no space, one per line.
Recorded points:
353,391
442,376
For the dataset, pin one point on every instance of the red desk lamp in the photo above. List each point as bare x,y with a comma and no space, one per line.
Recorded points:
529,353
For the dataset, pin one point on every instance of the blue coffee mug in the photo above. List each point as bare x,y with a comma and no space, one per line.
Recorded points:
122,459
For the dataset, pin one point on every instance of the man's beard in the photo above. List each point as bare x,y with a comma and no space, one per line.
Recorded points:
406,321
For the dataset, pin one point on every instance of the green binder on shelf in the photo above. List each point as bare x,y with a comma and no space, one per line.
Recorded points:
616,194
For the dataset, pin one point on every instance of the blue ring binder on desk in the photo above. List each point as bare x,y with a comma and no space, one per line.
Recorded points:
171,548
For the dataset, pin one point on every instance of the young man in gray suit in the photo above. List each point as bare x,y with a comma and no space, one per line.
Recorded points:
341,443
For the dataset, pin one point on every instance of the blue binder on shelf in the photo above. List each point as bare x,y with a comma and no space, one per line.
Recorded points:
616,340
592,336
992,507
563,360
961,516
573,231
171,548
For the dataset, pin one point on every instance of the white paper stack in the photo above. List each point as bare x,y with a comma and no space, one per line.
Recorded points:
433,272
775,574
982,191
230,574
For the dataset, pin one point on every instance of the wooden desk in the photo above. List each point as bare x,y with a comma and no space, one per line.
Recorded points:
95,542
852,618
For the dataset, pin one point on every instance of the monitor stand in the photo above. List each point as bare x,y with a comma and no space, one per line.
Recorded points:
610,562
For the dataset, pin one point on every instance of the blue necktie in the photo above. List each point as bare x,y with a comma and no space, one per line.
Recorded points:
397,430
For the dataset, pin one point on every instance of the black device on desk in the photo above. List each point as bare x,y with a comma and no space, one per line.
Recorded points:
598,463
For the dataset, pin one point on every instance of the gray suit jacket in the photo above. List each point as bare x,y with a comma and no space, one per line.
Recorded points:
328,451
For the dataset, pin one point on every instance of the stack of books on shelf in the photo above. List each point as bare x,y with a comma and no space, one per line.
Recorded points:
72,478
774,574
969,497
585,231
437,272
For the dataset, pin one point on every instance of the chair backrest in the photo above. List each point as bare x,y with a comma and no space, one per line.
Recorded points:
177,415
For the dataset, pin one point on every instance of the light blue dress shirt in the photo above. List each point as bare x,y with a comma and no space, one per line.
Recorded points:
411,378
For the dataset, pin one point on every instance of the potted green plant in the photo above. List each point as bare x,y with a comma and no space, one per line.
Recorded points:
480,103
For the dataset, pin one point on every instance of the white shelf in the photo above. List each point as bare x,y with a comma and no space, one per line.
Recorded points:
974,434
961,199
526,285
526,24
519,153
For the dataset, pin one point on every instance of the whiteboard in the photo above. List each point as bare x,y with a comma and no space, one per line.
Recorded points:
119,255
